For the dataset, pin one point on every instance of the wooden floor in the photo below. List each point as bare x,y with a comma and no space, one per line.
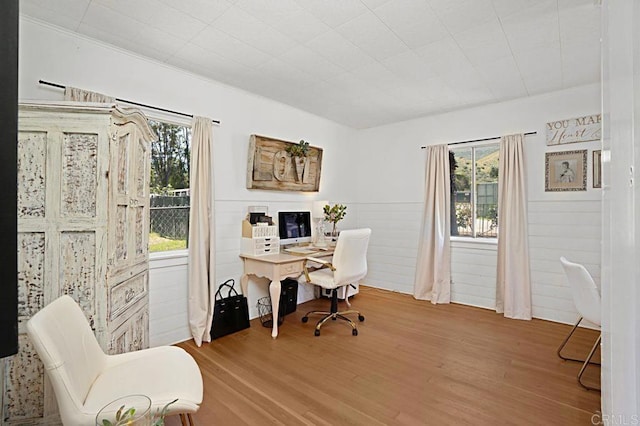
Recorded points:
412,363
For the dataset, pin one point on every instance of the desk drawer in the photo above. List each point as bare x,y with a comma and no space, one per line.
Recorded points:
291,268
260,246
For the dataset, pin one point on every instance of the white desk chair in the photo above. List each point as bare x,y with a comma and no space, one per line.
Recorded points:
586,298
348,266
85,379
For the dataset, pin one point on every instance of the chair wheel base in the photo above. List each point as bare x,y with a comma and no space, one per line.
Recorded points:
354,332
305,319
360,318
316,333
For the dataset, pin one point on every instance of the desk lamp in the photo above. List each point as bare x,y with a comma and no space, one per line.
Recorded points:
318,216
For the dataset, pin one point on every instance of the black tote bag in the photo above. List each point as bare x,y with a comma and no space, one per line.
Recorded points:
231,313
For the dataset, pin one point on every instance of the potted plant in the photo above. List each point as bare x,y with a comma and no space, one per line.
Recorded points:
334,214
298,153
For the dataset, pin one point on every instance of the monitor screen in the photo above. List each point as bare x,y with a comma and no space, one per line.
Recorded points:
294,227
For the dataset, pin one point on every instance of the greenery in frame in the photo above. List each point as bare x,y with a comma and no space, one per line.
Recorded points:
301,149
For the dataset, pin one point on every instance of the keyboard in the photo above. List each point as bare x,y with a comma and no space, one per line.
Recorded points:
301,250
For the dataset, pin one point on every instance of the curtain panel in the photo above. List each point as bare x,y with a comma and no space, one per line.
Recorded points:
433,269
81,95
201,232
513,283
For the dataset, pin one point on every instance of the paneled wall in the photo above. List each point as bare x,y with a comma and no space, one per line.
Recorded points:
560,228
556,228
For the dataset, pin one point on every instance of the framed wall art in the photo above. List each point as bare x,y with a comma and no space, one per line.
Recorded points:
597,168
279,165
566,171
573,130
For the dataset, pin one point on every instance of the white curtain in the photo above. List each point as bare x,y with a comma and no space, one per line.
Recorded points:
513,286
81,95
201,231
433,271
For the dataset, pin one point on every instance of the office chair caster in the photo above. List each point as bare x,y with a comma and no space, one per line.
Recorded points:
360,318
305,319
354,332
317,332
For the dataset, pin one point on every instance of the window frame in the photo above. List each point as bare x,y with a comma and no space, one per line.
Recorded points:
474,238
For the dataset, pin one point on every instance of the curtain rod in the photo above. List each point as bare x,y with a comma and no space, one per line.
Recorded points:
60,86
481,140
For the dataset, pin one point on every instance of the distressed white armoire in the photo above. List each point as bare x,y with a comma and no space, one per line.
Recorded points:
83,223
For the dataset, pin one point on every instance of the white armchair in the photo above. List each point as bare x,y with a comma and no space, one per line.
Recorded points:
348,266
586,298
85,379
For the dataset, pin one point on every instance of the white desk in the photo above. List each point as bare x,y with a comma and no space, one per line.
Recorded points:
275,267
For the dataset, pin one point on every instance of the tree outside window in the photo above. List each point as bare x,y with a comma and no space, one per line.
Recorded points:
474,191
169,205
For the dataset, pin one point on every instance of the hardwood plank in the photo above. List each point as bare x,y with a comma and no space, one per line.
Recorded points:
412,363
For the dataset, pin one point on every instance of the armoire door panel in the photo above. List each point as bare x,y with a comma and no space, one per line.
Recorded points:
23,384
121,153
32,157
31,273
79,180
77,269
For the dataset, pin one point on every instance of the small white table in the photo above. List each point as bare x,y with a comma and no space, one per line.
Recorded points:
275,267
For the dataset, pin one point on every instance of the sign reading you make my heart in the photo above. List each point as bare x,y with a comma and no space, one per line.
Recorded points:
581,129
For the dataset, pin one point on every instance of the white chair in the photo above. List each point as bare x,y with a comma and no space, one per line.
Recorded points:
85,379
348,266
586,298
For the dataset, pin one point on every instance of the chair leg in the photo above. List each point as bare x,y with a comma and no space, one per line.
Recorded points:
587,362
333,315
186,419
566,340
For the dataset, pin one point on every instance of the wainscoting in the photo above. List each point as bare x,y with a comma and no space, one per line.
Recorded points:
556,228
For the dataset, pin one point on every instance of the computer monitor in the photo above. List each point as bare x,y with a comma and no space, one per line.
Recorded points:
294,227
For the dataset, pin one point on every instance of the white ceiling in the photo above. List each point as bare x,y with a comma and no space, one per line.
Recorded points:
358,62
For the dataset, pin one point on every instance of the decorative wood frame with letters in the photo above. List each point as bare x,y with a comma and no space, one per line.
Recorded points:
270,166
566,171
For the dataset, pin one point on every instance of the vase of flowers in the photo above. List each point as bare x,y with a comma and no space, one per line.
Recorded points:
334,214
131,410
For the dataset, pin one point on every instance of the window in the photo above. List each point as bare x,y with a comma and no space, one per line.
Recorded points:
169,204
474,191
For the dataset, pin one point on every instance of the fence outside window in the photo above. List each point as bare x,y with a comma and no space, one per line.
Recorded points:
169,219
